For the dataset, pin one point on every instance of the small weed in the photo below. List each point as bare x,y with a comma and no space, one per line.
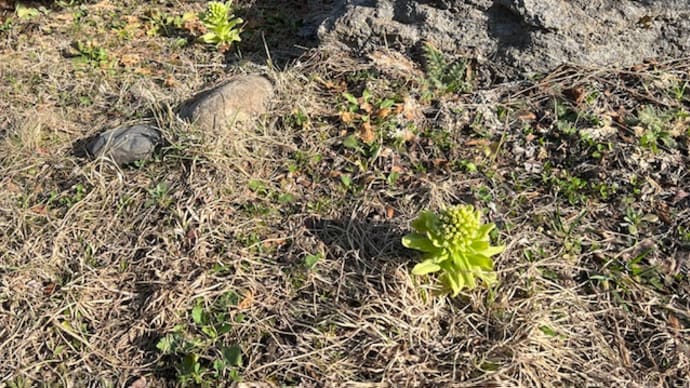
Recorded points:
484,194
571,186
270,196
203,351
91,54
444,76
160,195
68,199
653,128
6,25
684,234
221,24
311,260
456,243
367,114
632,219
679,90
163,24
298,119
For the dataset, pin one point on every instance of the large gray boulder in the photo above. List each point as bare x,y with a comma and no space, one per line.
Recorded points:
240,99
522,36
126,144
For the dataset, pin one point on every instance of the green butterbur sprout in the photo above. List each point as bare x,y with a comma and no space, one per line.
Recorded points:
456,242
221,24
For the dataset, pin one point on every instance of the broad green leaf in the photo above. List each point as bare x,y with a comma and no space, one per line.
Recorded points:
481,261
232,355
484,230
425,267
419,242
350,98
311,260
219,366
479,246
387,103
209,37
490,251
166,344
26,12
489,278
198,314
467,275
425,222
210,331
232,23
224,328
455,282
351,142
190,364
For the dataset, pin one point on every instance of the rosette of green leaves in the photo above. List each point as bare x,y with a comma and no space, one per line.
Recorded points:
456,243
221,24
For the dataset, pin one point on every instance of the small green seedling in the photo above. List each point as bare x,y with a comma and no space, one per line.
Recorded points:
456,243
221,24
311,260
444,76
655,128
203,350
91,54
367,114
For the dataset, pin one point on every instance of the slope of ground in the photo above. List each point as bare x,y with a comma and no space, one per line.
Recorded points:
271,254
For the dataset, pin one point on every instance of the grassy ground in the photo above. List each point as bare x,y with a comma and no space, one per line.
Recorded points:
271,254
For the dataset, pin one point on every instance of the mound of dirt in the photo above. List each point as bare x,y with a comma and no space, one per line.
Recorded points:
521,37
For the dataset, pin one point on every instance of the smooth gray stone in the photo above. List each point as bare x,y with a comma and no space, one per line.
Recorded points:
126,144
242,98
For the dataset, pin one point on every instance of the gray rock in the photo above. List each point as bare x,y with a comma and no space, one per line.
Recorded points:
126,144
241,98
523,36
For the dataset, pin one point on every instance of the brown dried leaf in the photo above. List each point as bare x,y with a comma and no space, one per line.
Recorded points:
130,60
336,87
247,301
367,133
478,142
383,113
527,116
347,117
40,209
170,81
365,106
575,94
50,288
390,212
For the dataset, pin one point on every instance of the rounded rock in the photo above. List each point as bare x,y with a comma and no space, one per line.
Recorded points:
126,144
240,99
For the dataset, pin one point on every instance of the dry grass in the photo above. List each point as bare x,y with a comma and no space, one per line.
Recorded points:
97,263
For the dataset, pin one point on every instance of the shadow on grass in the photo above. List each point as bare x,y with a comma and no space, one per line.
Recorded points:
375,242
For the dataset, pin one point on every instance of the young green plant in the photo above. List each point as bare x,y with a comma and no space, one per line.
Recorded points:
456,243
221,24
